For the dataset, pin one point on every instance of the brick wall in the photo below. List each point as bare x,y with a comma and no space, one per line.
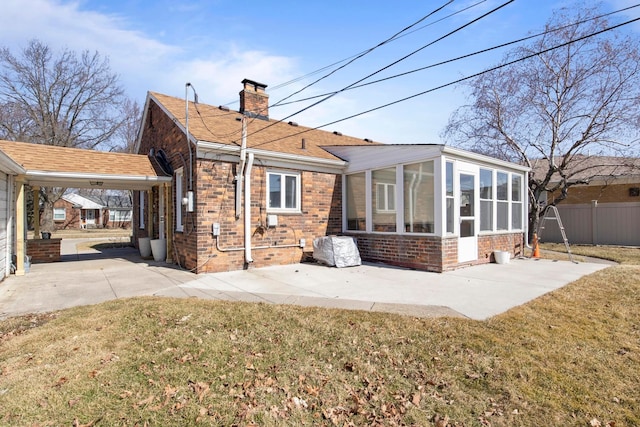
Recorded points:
270,245
72,216
196,248
512,243
43,250
431,253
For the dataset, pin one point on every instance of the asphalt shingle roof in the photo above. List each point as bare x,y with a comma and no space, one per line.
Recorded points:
212,124
48,158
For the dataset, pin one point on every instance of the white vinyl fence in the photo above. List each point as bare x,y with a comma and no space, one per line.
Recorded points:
597,224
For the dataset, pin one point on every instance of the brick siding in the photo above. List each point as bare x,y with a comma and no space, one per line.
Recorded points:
43,250
432,253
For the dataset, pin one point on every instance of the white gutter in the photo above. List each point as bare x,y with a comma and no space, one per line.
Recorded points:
247,210
482,158
204,146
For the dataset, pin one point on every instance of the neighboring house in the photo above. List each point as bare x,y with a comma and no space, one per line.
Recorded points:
249,191
73,211
603,207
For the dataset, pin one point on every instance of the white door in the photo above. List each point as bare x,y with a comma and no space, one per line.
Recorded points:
468,212
91,217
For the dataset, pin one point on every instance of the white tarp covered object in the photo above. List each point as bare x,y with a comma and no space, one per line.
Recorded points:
339,251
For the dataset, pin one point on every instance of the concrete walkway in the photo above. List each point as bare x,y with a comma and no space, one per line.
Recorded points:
89,276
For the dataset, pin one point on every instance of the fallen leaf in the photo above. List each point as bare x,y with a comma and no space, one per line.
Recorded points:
146,401
416,399
61,381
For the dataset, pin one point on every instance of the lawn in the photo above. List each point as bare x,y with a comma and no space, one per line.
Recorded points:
568,358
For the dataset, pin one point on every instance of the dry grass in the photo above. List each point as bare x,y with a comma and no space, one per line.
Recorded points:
568,358
619,254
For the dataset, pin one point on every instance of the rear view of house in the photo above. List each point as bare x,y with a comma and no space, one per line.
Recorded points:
249,191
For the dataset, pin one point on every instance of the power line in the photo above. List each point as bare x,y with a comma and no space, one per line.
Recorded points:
456,81
312,73
366,52
464,56
386,67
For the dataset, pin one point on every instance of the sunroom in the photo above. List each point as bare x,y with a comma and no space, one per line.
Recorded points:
432,207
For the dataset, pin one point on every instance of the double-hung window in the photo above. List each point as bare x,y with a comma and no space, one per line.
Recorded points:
59,214
119,215
284,191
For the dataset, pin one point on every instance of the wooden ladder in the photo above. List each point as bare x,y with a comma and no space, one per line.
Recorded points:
555,217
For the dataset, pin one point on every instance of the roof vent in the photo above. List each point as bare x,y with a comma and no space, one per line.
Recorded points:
367,140
223,108
335,132
238,119
304,144
293,123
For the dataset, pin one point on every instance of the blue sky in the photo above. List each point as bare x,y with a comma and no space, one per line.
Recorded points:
160,45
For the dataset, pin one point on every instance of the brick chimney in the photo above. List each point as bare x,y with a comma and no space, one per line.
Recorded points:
254,101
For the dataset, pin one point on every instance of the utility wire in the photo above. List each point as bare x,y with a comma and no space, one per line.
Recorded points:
386,67
312,73
366,52
552,30
456,81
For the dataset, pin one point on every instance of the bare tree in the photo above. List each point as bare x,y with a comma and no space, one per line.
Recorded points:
67,100
554,111
127,135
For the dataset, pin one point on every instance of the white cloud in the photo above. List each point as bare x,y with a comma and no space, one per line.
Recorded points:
142,62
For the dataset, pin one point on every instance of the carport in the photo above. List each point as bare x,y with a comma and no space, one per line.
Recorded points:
39,165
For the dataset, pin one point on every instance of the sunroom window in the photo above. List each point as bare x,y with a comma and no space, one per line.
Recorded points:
502,204
516,202
356,202
383,183
419,197
486,200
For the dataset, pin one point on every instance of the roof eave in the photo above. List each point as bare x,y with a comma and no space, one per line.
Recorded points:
87,180
335,166
481,158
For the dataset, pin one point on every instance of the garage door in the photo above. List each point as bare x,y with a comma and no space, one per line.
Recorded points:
4,236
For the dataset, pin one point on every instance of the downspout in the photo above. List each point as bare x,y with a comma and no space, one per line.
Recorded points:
241,166
247,210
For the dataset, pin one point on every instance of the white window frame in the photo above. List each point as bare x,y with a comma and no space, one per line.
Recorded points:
492,200
119,215
141,209
64,214
283,175
388,203
179,175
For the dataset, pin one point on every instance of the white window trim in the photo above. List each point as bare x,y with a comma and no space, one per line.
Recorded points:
141,209
179,174
64,214
283,174
119,215
384,207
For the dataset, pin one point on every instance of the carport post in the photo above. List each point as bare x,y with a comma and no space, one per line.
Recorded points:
36,212
20,226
